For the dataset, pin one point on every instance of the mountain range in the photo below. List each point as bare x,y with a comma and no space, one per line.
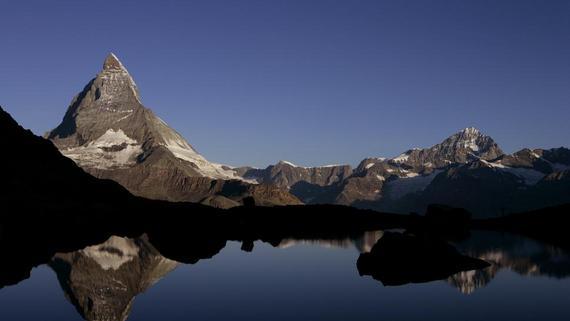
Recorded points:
109,133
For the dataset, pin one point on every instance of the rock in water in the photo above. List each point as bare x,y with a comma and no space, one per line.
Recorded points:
398,259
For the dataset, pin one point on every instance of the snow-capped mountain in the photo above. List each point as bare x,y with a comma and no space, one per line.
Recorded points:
109,133
107,127
525,180
464,146
374,177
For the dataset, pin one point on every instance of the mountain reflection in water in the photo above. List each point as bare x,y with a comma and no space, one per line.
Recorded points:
506,251
102,281
363,243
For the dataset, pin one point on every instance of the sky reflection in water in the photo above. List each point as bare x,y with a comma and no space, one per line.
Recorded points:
303,281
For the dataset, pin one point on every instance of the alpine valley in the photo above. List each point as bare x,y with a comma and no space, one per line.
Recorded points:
110,134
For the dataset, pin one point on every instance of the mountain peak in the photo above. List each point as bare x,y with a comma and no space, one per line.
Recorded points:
470,131
473,139
107,127
112,62
461,147
284,162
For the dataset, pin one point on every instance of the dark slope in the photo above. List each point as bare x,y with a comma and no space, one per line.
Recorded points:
36,175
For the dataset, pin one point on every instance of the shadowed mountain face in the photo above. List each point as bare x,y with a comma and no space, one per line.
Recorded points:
102,281
109,133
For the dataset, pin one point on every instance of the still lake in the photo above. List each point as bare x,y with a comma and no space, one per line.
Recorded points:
293,280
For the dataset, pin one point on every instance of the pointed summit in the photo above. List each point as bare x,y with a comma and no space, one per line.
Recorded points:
107,127
470,131
112,62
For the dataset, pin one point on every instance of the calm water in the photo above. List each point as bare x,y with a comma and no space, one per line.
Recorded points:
300,280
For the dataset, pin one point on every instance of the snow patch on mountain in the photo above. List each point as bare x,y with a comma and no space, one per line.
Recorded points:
284,162
471,145
528,175
184,151
113,149
401,158
113,138
403,186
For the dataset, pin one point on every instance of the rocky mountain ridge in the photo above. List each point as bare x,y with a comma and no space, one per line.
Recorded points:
409,182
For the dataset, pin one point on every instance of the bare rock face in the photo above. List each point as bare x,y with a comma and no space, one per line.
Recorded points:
219,201
559,156
110,134
308,184
526,158
112,62
285,174
102,281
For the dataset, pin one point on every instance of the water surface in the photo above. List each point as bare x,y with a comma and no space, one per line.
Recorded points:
294,279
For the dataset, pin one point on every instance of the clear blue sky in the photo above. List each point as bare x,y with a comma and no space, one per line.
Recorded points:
313,82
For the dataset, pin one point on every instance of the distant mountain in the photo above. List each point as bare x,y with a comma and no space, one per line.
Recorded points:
340,184
467,169
523,181
466,145
286,174
109,133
